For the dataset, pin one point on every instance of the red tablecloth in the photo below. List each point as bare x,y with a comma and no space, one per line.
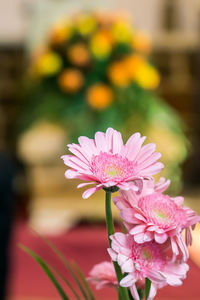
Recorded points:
87,246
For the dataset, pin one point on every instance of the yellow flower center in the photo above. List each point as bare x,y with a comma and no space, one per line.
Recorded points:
112,171
161,214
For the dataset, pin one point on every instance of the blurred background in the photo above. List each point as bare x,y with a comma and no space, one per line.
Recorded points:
70,68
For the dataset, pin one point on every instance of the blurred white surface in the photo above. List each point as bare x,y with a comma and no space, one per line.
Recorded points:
24,18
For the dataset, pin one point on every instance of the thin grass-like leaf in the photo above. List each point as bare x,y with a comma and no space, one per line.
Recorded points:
81,275
65,262
67,283
46,269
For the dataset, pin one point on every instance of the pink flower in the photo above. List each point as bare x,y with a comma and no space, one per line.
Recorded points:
103,274
157,217
149,259
108,163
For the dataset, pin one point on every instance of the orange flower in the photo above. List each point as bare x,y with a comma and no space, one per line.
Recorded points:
142,72
133,63
100,96
142,43
60,33
71,80
79,54
119,73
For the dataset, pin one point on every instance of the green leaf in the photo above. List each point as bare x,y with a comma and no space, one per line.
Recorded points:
67,283
46,269
83,280
147,287
65,262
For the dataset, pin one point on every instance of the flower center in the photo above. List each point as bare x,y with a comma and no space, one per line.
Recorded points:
112,171
148,255
161,210
160,214
106,166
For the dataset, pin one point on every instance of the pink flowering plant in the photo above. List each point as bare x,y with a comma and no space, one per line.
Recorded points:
152,253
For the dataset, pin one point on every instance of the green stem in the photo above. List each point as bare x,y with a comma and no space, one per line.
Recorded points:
122,292
147,287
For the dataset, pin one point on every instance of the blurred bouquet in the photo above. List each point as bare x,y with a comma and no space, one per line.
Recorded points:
94,71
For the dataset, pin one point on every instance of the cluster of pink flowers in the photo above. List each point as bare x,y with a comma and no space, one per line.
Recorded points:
153,246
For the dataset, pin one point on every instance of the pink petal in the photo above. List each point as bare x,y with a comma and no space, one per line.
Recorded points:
162,185
127,266
117,142
133,145
134,292
182,247
78,151
188,237
91,191
174,246
145,152
112,254
160,238
140,217
152,228
152,170
151,159
178,200
127,281
84,184
70,174
152,292
128,215
173,280
88,145
100,140
137,229
121,259
139,238
148,236
109,135
156,276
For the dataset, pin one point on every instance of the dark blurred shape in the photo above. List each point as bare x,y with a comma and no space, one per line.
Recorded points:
9,174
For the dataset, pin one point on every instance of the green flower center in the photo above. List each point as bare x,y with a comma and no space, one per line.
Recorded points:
161,214
113,171
147,254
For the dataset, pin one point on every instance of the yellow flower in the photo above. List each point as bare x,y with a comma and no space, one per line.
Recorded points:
121,31
48,63
118,73
86,24
79,54
71,80
101,44
142,43
61,32
147,77
100,96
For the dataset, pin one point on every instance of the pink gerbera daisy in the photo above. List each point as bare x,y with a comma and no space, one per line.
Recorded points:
149,260
108,163
103,275
157,217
